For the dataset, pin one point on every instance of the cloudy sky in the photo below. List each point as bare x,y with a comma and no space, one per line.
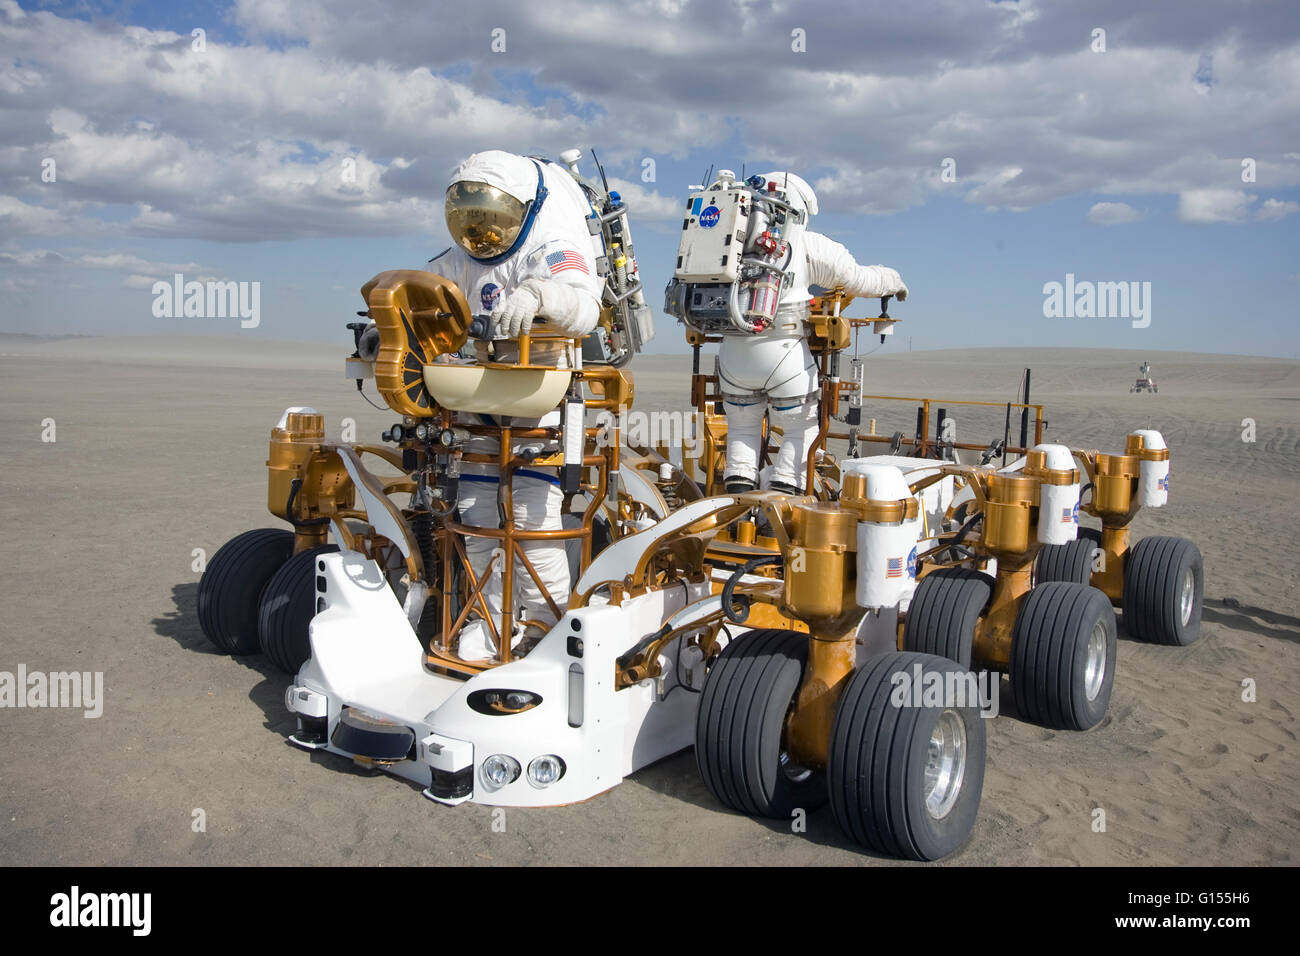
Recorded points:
983,149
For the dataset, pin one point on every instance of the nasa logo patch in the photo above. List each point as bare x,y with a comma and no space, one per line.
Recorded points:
911,565
488,295
709,217
1076,512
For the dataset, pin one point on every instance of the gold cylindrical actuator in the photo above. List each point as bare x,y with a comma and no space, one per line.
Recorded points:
1115,483
1008,513
819,567
323,486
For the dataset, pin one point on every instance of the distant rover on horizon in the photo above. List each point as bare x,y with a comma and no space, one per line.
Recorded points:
1144,383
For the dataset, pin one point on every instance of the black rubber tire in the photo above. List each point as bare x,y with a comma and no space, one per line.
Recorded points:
944,610
1068,562
230,591
1154,571
741,720
1049,654
287,607
879,750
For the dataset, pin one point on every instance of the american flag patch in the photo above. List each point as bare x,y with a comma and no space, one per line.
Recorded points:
894,568
567,259
1067,516
1163,483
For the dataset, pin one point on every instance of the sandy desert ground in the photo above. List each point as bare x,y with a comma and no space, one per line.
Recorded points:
160,450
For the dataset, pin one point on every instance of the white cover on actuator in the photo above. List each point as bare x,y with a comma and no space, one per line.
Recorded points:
1058,511
886,552
1153,483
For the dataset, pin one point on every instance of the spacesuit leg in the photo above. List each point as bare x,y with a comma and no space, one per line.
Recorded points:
799,425
792,396
744,439
537,506
477,503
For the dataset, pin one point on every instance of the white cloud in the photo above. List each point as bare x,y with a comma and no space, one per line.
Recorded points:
645,203
248,140
1214,205
1112,214
25,265
1272,209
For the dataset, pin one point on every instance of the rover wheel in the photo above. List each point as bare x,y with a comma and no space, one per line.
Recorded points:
1163,590
1071,561
740,727
287,607
944,610
905,778
230,590
1063,656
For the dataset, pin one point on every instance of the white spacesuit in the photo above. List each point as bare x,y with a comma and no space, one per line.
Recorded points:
775,368
523,251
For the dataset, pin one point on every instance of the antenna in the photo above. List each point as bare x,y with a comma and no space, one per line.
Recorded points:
601,169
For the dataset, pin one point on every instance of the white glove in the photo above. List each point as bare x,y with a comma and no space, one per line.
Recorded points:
891,282
514,314
566,309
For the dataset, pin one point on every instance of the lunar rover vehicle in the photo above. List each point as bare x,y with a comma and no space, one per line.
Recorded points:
1144,383
812,648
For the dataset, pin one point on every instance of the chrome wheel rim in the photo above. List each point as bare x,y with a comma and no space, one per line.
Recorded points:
1094,670
945,765
1188,597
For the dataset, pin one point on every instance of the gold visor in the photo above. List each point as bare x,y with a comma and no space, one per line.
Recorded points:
483,220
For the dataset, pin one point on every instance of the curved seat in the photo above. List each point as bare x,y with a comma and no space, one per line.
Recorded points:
521,392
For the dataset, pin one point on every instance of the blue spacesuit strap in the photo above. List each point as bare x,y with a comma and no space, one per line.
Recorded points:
519,473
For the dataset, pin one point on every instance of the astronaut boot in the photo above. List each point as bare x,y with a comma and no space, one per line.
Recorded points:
476,641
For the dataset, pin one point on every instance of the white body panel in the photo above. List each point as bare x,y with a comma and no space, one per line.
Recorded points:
1153,483
1058,512
366,655
887,479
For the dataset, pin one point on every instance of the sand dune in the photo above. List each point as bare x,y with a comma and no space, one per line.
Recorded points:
160,450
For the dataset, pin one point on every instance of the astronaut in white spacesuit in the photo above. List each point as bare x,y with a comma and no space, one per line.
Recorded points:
774,368
522,253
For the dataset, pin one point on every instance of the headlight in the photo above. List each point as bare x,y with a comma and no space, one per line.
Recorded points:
497,702
499,770
422,431
545,770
